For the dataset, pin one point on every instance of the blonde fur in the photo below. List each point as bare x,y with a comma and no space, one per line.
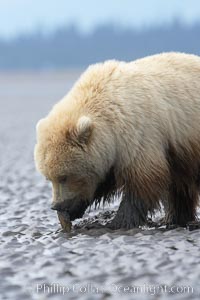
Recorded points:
132,113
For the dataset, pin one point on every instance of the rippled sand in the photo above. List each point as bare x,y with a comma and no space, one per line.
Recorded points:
38,260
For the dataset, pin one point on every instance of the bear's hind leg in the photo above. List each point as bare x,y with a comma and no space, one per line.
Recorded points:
183,200
184,189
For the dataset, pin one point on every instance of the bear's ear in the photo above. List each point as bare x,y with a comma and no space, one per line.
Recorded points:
39,125
84,129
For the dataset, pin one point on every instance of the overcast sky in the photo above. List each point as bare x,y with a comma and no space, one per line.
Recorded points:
18,16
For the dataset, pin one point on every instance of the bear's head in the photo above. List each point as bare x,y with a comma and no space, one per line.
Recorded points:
76,153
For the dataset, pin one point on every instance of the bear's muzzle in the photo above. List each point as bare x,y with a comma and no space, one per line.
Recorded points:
74,208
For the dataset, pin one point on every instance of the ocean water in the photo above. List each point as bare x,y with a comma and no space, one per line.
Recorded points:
38,260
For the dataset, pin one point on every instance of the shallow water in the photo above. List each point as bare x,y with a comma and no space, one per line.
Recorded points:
38,260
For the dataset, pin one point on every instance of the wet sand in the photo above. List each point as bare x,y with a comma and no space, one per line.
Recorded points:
38,260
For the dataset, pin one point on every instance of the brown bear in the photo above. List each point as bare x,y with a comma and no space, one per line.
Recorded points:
130,128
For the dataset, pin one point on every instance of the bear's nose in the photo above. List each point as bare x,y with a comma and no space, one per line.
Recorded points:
57,206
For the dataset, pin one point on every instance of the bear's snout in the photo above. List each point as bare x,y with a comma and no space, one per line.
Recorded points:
61,205
75,208
56,206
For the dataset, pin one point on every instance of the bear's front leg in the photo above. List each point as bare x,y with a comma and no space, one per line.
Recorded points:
132,213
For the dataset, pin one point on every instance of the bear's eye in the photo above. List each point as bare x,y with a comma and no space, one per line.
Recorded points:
62,179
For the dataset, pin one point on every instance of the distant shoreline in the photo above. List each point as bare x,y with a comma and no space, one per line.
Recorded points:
68,48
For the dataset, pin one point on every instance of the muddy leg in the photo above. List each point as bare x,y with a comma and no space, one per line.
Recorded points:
182,205
131,213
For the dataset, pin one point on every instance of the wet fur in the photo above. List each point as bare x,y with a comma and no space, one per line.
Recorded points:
107,189
179,193
184,187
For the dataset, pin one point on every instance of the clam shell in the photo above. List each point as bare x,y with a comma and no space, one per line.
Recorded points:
65,221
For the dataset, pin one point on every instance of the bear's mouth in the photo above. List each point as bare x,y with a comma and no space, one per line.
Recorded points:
71,209
77,209
65,215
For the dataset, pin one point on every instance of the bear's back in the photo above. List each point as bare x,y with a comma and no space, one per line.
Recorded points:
174,61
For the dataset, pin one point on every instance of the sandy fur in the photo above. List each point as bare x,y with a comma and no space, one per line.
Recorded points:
138,112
